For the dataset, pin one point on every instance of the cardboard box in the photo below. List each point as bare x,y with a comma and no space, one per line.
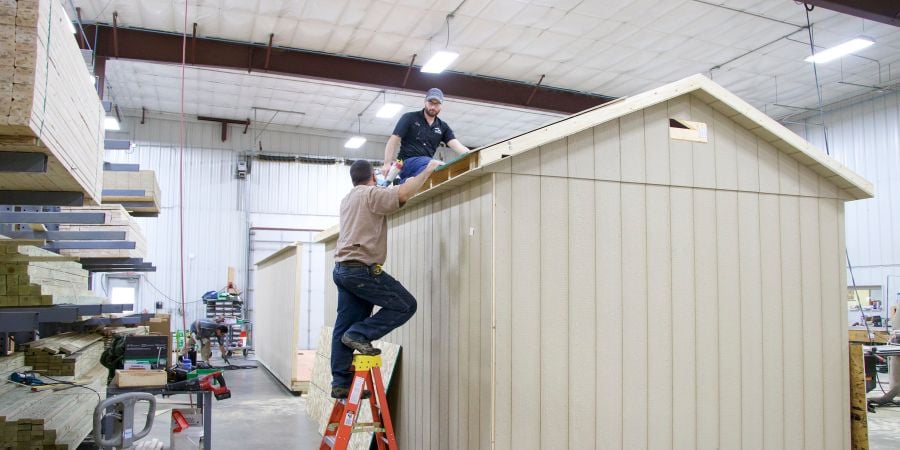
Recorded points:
153,349
160,325
140,378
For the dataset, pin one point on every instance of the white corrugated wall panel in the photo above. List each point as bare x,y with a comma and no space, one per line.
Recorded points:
291,194
866,138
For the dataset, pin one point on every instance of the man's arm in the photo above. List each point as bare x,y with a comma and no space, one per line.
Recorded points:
412,185
457,146
390,150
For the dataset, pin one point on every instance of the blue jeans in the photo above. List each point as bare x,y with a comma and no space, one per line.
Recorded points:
358,293
412,167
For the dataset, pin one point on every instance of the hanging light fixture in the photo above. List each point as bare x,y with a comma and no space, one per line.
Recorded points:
830,54
443,58
358,140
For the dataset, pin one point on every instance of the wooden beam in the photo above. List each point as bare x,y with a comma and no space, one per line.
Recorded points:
859,428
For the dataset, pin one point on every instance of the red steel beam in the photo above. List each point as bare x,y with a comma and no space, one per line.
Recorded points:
884,11
154,46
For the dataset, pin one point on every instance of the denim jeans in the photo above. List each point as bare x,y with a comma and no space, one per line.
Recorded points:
412,167
358,292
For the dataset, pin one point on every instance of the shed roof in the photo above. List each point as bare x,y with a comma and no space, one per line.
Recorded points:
480,160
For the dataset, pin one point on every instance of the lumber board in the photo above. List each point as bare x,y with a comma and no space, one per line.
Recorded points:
46,103
859,427
31,276
142,180
117,219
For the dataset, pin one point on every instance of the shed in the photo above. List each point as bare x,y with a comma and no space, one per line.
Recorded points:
663,271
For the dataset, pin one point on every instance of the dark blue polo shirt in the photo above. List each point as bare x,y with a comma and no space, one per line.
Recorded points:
417,138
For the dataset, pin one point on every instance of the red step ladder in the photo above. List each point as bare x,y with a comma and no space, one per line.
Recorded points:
342,422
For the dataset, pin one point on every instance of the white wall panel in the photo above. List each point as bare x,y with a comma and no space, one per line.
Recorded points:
218,207
866,138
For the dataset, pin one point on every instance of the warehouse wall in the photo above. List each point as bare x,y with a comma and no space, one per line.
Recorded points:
219,207
866,138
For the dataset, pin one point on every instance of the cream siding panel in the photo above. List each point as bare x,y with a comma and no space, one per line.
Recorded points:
461,295
554,161
607,151
789,174
768,168
656,138
809,181
751,349
503,301
583,302
581,154
725,152
704,155
610,314
454,324
833,322
729,282
527,163
706,280
554,311
812,323
659,318
445,320
631,129
684,336
827,189
747,160
842,280
486,363
792,323
635,333
526,313
772,324
681,154
432,333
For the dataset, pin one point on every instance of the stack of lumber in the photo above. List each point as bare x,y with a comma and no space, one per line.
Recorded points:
31,276
50,419
141,180
110,333
68,354
117,219
47,103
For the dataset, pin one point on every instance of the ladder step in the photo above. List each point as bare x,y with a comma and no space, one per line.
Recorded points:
329,440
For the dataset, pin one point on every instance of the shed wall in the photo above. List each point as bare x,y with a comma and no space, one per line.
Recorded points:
277,308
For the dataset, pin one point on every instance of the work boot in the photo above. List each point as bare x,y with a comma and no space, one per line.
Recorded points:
341,393
361,345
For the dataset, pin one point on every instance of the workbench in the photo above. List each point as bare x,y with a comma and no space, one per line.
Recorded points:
203,398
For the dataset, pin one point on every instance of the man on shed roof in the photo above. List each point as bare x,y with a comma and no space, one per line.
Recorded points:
418,134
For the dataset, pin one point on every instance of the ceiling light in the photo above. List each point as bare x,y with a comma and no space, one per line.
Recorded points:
355,142
837,51
388,110
440,61
111,123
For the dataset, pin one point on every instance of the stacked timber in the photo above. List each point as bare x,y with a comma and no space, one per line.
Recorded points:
117,219
136,191
69,354
50,419
110,333
47,103
31,276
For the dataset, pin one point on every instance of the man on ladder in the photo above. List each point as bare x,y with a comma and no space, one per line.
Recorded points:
362,283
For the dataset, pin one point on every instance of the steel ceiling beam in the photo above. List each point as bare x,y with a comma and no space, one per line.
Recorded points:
161,47
884,11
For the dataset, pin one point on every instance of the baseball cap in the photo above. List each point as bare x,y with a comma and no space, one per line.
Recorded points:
436,94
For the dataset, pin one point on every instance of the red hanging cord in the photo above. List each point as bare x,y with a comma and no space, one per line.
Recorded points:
181,172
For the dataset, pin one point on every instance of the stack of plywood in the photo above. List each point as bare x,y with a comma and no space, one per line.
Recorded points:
68,354
31,276
56,419
117,219
142,180
47,102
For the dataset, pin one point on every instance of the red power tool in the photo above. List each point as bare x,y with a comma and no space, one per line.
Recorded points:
204,383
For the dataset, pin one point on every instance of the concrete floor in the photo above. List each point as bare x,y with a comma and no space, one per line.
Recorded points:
884,424
261,413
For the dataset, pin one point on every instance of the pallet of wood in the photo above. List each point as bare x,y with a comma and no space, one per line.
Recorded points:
50,419
48,104
137,191
31,276
68,354
117,219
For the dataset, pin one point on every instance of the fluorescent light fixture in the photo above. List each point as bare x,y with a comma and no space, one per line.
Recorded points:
355,142
388,110
111,123
853,45
440,61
